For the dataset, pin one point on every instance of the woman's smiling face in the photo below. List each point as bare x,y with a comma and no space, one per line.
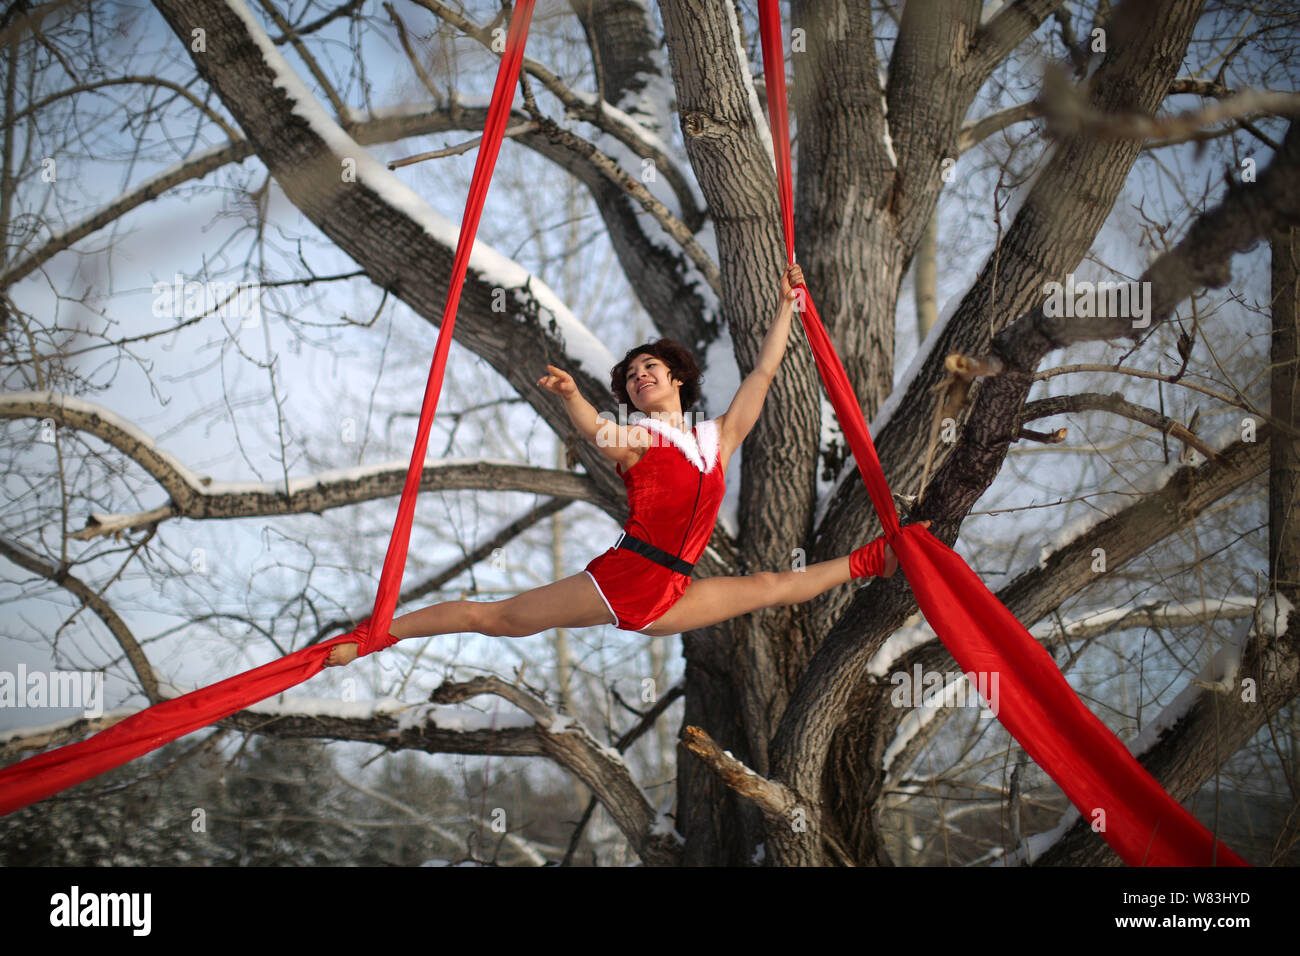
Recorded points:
650,384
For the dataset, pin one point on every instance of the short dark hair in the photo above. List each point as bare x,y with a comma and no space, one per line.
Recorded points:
681,366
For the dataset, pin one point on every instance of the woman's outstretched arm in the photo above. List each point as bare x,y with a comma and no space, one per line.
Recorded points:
740,417
619,443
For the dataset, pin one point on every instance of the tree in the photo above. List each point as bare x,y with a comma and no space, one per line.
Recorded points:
910,121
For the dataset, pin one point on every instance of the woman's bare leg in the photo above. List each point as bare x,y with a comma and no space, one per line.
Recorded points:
714,600
569,602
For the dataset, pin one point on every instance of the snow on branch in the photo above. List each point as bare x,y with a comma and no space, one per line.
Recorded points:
605,117
23,740
507,316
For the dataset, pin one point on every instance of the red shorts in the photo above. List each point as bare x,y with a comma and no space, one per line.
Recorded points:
636,590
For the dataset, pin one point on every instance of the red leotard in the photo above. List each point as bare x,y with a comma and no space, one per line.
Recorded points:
673,496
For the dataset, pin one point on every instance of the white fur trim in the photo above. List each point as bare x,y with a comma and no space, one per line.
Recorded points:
703,455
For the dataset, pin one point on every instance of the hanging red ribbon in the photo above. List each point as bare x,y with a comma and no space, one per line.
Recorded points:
1112,791
48,773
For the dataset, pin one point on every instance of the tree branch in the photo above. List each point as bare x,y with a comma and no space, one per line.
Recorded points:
569,744
1116,404
197,497
596,112
92,599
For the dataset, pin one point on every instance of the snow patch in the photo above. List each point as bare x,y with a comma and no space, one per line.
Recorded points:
461,718
1047,627
1273,613
742,58
914,634
1218,674
1034,847
561,723
107,718
991,10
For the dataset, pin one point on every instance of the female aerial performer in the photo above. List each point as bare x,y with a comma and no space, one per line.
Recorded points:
674,480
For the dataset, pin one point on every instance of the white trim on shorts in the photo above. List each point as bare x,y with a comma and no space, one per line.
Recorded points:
602,596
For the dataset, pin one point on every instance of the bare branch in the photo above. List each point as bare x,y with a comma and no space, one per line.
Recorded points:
343,10
435,583
195,496
95,601
459,148
773,798
574,748
1069,114
1007,29
1116,404
97,85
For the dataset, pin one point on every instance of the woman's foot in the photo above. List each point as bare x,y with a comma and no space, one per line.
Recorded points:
341,654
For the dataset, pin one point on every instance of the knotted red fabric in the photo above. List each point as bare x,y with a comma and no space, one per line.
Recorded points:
1112,791
48,773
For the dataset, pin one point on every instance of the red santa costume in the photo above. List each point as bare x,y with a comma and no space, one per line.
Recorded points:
673,495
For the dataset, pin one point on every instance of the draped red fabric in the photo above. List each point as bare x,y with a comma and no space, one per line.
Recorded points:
48,773
1111,790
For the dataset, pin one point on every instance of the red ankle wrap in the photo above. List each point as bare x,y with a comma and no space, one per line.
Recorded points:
869,560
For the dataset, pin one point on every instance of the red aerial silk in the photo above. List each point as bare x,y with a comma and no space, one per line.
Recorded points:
1142,822
1132,812
48,773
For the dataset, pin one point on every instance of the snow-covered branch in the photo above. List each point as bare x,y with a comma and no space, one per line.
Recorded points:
605,117
841,672
20,741
507,316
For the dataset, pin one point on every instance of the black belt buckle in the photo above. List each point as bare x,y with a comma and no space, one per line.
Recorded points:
671,561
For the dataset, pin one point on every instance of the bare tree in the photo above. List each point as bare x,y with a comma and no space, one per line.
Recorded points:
1033,141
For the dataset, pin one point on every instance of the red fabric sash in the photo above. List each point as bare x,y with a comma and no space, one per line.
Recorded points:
1133,813
48,773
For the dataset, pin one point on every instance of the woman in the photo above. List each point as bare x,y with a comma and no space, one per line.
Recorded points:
674,478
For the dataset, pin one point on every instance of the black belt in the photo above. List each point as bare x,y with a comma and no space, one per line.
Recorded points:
671,561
